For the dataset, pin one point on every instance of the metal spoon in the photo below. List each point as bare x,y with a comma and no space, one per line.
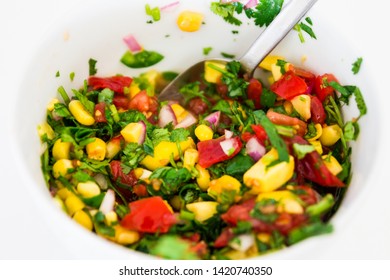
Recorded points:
288,17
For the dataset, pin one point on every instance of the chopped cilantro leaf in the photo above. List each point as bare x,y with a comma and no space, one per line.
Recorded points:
207,50
92,66
356,65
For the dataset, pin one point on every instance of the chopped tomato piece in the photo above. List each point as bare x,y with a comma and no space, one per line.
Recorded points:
120,101
121,177
115,83
289,86
317,110
100,112
260,132
211,151
321,87
313,168
254,90
149,215
143,102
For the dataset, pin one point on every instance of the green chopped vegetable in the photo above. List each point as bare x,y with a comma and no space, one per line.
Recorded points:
141,59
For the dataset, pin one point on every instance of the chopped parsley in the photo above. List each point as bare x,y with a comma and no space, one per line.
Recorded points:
305,27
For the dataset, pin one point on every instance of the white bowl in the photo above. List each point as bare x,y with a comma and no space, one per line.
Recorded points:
98,34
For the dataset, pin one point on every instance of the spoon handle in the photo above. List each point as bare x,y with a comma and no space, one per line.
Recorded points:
288,17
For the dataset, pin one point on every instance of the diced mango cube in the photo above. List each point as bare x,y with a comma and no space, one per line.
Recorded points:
264,178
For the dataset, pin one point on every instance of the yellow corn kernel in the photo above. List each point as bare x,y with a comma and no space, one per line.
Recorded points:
61,149
110,218
189,21
264,178
61,167
80,113
179,111
83,219
301,104
264,237
64,193
88,189
124,236
97,149
50,106
270,60
133,132
332,164
318,128
203,210
290,206
212,75
191,157
204,132
330,135
45,129
317,145
73,204
203,179
223,184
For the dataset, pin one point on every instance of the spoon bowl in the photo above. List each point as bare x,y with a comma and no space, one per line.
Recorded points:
288,17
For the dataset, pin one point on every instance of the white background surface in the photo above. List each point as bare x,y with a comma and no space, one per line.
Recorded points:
24,233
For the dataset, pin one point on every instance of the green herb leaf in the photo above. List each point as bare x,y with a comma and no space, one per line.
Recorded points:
141,59
356,65
92,66
276,141
302,150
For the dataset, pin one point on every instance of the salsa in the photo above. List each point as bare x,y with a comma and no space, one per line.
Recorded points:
243,167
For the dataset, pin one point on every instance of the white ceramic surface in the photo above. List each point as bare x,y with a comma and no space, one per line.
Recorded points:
63,36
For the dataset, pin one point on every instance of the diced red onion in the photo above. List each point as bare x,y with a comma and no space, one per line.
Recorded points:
108,202
132,43
251,4
213,119
143,133
229,146
166,116
228,134
187,121
169,6
254,149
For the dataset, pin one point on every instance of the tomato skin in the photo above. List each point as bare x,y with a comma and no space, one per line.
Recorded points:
317,110
115,83
321,90
210,151
120,101
260,132
143,103
254,91
149,215
118,174
100,112
312,167
197,106
289,86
